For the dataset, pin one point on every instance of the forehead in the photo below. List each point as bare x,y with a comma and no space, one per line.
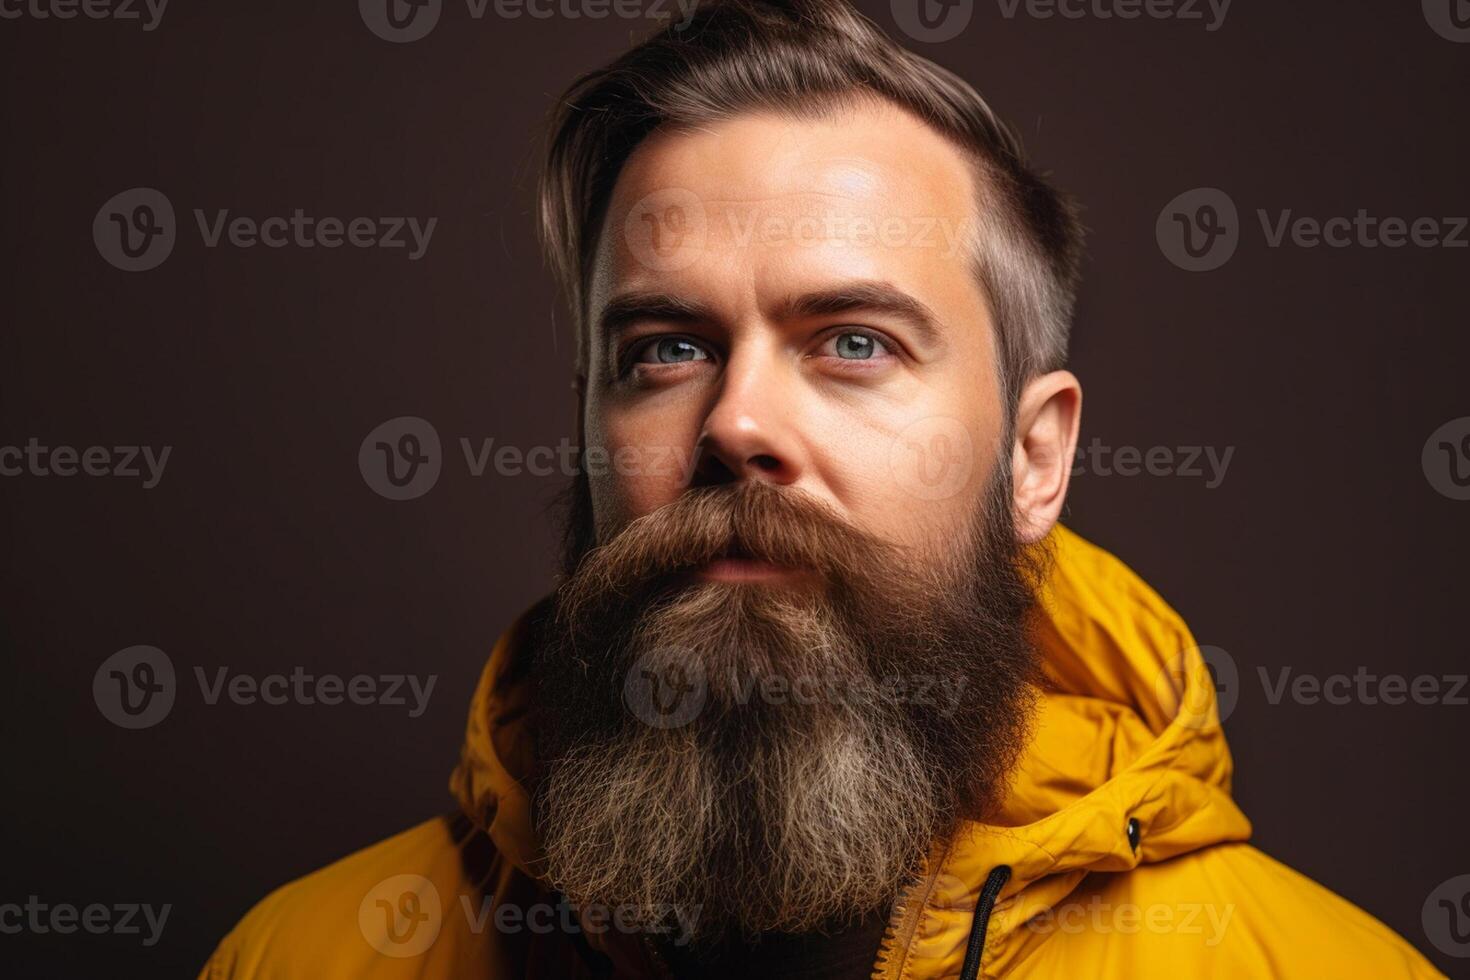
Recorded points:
770,200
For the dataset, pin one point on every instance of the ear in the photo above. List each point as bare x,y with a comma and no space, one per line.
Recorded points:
1048,416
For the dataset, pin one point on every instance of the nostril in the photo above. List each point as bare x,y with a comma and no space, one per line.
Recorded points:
710,471
766,462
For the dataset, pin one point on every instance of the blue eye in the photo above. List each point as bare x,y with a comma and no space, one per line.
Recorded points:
856,346
671,350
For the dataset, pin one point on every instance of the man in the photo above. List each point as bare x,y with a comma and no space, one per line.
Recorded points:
825,690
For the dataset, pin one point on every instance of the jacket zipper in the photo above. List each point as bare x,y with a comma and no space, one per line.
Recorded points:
893,951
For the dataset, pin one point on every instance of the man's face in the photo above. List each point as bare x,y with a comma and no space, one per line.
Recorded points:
793,301
791,306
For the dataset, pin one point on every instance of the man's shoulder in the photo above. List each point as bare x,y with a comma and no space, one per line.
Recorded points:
1239,910
384,911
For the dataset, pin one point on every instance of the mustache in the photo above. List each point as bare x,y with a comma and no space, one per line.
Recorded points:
755,520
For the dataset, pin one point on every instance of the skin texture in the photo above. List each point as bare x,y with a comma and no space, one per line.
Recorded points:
709,238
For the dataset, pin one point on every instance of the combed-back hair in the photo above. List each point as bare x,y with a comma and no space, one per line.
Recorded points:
811,58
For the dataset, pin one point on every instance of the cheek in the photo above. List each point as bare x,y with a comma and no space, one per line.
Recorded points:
638,460
914,474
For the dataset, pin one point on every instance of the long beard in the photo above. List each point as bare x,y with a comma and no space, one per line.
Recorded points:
754,758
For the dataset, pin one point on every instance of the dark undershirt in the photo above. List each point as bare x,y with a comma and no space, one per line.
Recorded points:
847,953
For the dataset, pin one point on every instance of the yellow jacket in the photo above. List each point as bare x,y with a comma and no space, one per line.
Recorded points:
1126,855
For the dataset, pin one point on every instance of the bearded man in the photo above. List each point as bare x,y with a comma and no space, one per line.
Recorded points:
825,691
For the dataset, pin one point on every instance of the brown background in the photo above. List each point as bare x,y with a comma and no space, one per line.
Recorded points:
1325,548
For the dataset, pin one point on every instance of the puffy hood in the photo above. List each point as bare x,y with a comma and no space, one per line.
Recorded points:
1127,735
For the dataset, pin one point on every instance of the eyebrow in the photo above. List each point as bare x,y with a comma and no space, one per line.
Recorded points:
868,296
871,296
630,308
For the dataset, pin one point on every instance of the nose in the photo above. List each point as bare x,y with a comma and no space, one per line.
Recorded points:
750,433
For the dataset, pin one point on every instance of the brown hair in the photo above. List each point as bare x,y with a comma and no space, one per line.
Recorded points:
808,57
